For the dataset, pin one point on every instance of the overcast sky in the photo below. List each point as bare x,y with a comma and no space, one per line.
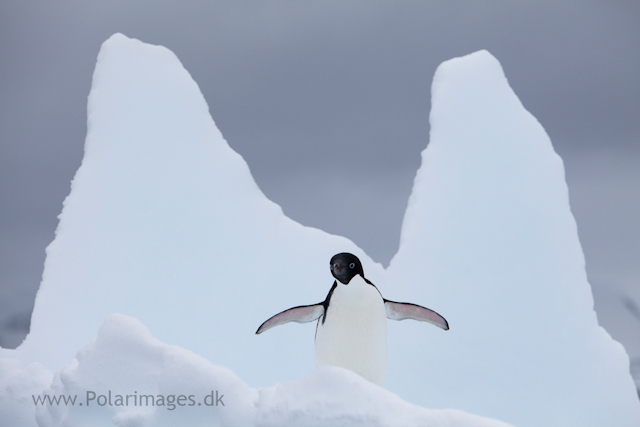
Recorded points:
328,102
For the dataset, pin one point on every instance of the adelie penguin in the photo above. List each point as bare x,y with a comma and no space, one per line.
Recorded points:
352,321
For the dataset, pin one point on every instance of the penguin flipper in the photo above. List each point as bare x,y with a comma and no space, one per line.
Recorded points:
301,314
405,310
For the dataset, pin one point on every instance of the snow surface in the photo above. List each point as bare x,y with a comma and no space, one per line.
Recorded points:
125,358
17,384
164,223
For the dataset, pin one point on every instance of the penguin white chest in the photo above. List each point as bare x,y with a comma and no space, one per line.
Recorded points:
354,332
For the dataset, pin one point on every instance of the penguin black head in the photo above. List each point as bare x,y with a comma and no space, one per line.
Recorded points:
344,266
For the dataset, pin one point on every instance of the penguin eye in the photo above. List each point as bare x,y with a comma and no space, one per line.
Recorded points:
352,266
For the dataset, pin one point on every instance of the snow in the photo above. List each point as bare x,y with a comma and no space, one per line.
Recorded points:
17,383
126,359
165,225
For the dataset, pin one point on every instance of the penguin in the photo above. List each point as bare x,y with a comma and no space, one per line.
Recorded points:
352,330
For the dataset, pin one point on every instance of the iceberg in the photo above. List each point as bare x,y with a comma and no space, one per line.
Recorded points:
165,223
488,239
165,226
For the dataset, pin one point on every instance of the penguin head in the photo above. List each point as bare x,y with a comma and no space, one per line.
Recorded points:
344,266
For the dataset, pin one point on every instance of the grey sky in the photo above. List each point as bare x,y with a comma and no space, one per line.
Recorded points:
328,102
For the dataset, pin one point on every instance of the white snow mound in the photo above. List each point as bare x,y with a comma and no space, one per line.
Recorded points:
169,386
